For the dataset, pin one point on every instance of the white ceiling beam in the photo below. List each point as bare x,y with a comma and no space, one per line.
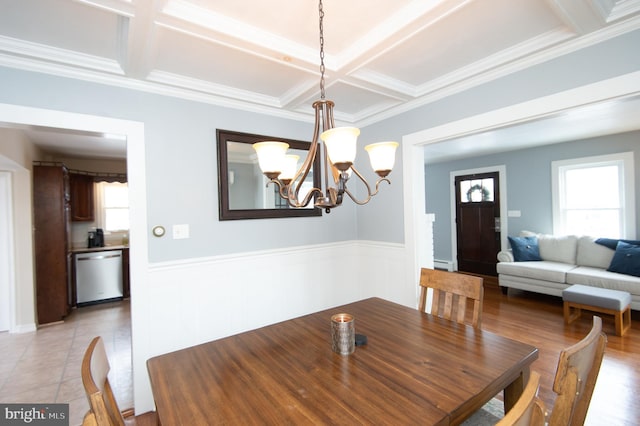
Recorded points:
580,16
138,40
120,7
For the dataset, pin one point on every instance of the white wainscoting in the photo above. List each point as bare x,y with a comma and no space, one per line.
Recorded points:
190,302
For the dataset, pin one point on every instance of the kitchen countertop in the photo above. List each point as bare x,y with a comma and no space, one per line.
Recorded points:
79,249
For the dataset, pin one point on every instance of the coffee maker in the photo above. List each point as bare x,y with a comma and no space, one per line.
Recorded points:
96,238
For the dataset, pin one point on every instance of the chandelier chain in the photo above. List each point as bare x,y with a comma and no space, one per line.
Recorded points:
336,174
321,13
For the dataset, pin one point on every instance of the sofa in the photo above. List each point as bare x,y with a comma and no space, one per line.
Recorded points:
548,264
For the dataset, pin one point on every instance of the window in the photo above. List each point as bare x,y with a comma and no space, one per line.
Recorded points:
113,205
594,196
476,190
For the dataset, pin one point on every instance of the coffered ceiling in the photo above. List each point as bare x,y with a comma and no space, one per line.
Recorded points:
382,57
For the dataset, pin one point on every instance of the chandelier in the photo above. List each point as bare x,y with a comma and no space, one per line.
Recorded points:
338,154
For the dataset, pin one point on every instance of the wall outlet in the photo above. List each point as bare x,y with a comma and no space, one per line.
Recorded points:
180,232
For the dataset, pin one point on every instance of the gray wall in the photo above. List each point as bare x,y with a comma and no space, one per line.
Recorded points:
181,156
528,183
181,164
608,59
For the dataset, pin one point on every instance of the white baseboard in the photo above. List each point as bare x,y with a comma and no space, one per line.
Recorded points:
24,328
445,265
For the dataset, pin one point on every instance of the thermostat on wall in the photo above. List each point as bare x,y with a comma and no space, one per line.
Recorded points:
158,231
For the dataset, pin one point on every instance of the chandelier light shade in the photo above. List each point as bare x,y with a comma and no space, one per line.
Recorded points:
341,143
271,157
382,156
289,168
337,152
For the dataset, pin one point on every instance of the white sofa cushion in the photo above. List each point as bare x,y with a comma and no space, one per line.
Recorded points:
558,248
539,270
592,254
596,277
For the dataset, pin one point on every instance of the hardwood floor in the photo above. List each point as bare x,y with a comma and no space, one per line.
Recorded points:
537,319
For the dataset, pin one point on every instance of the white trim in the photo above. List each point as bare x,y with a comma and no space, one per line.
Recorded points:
310,250
24,328
233,257
416,220
136,174
628,182
446,265
502,185
7,263
617,87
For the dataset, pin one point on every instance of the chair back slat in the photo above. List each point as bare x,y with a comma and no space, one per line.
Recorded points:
576,376
102,402
450,293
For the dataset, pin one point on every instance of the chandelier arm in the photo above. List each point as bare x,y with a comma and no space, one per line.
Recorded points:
281,188
369,193
366,184
303,172
305,202
284,190
355,200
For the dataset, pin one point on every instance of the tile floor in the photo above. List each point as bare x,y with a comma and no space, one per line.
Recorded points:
44,366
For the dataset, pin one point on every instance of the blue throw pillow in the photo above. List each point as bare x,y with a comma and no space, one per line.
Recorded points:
626,259
613,243
525,248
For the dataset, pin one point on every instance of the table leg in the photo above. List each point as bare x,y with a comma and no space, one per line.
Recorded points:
514,390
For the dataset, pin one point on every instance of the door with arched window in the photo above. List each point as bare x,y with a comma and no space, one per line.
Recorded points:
478,222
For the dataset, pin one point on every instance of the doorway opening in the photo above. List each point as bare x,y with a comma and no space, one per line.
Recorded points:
14,116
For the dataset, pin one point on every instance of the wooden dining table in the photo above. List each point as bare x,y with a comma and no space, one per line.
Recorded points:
414,369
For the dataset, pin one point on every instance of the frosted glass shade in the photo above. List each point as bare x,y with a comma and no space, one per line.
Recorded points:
289,168
341,145
271,156
382,156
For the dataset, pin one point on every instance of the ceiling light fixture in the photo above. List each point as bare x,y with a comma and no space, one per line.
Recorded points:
338,154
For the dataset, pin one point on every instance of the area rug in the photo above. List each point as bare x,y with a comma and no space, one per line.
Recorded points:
488,415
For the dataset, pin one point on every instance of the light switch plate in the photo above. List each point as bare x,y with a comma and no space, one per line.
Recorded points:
180,232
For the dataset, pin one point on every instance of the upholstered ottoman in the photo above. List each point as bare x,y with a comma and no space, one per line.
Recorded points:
603,300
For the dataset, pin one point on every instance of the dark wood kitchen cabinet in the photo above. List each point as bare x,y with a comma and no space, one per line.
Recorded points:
125,273
81,187
52,228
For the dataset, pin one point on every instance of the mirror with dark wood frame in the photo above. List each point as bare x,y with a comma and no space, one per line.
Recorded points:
243,192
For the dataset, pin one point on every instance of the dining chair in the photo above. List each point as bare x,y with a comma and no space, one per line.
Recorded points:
451,291
103,408
529,409
576,376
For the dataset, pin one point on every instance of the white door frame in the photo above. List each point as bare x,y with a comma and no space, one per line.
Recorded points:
7,272
20,116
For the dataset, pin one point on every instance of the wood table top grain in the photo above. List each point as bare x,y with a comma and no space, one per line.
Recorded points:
415,369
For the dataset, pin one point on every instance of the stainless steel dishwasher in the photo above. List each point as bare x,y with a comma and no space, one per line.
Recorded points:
98,276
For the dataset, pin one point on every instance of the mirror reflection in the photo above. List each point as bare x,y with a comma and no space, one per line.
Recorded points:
247,185
243,189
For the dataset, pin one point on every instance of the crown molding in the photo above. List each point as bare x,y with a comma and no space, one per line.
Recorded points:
22,55
29,51
561,49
